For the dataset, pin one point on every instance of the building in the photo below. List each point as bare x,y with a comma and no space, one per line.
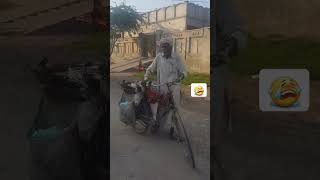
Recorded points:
179,17
187,23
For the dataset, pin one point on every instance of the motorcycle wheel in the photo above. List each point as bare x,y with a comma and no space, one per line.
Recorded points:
140,126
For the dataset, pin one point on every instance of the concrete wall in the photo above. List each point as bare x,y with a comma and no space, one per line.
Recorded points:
193,46
292,18
173,25
177,17
174,20
126,48
170,18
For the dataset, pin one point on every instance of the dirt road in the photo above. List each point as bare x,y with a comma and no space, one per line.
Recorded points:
20,95
138,157
269,145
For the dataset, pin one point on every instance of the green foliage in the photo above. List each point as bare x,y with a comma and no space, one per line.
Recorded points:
123,19
196,78
278,53
140,75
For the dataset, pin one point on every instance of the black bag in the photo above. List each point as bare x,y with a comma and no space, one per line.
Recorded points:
143,109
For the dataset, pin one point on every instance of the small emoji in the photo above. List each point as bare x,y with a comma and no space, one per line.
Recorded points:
198,90
284,92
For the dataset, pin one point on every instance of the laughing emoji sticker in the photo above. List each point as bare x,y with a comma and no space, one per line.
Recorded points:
199,90
285,92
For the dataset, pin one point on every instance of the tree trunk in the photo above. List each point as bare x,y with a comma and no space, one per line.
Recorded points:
112,44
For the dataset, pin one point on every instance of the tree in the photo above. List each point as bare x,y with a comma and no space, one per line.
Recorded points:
123,19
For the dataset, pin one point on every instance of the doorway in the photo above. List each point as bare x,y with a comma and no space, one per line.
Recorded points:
148,45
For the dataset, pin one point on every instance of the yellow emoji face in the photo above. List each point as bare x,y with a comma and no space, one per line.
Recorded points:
284,92
198,90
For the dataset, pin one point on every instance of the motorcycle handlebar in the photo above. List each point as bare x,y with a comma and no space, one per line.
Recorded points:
168,83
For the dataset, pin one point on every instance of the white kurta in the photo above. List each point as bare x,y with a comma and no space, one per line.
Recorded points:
168,70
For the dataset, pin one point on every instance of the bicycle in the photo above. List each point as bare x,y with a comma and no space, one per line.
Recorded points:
182,135
75,84
145,122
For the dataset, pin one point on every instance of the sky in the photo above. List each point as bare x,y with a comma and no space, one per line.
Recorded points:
149,5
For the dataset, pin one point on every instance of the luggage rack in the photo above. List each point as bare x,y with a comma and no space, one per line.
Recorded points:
88,79
87,70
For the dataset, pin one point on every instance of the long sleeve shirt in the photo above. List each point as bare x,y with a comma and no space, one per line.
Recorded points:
167,70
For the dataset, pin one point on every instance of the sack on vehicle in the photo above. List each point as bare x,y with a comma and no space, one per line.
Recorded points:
127,109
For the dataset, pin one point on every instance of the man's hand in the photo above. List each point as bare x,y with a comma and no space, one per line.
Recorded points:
180,78
144,82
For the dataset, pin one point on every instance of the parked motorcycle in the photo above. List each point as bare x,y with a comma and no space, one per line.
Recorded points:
71,122
142,107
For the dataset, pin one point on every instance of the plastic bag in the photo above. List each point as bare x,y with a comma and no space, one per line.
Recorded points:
46,134
54,147
137,98
127,109
88,117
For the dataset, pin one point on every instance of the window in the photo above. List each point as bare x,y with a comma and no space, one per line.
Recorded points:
116,49
194,45
179,45
190,45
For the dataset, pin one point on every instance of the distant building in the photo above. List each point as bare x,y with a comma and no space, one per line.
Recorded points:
187,23
179,17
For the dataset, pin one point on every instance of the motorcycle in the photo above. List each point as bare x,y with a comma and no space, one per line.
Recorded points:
142,107
71,121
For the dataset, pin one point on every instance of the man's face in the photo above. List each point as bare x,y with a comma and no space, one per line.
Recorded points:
166,49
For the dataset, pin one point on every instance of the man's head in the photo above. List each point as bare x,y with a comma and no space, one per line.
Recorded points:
166,47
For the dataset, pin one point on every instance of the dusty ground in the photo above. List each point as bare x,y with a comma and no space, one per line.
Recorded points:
270,145
20,93
134,156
